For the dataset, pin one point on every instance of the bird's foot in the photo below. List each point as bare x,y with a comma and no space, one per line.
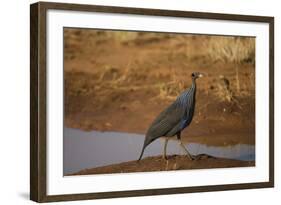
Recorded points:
165,157
200,156
191,157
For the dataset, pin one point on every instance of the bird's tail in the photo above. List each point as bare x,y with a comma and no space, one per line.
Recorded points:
142,152
146,142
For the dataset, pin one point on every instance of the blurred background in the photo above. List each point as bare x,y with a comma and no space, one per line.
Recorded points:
119,81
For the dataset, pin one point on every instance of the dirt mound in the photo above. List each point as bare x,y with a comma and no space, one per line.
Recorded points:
174,162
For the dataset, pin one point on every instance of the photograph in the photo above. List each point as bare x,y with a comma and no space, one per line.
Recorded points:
129,101
144,101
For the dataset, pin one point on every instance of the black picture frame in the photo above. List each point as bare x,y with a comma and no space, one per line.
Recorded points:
38,100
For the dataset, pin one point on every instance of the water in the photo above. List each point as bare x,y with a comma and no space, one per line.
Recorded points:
82,150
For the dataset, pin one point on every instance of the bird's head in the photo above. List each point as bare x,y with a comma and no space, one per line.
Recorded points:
196,75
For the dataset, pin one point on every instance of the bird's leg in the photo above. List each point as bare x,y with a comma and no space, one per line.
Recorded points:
186,151
183,147
165,148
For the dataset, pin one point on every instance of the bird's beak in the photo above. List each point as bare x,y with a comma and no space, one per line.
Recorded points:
201,75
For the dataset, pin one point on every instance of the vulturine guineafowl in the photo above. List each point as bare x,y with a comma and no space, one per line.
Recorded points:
174,118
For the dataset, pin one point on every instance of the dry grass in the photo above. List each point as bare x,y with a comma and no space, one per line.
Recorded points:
123,37
216,48
234,50
231,49
117,80
170,90
224,92
112,79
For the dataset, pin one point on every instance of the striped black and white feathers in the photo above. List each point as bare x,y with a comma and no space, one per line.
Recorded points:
175,117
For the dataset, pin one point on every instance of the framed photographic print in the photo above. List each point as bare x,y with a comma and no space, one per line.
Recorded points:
134,102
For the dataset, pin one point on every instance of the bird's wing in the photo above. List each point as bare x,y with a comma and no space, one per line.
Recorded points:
166,121
173,108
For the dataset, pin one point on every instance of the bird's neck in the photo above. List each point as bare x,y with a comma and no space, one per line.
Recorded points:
188,93
193,86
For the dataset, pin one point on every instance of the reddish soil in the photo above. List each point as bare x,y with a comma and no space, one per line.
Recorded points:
174,162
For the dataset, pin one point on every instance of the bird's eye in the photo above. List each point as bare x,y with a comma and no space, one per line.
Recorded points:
192,75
